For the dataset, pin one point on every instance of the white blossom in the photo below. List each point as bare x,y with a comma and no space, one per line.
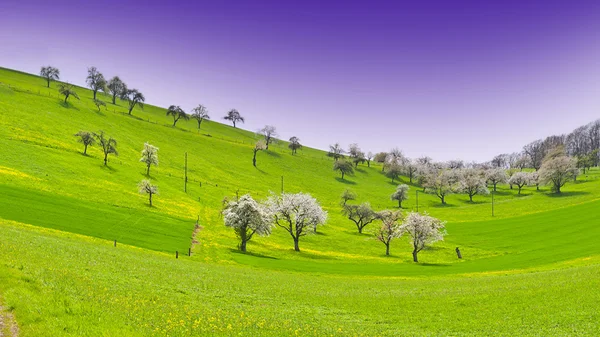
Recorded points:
423,230
247,217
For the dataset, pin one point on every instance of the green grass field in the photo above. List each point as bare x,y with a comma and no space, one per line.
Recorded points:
532,269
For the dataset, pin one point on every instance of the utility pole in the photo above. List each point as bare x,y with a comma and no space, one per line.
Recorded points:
492,202
185,175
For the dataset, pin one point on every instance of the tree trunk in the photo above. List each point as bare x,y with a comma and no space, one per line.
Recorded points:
471,196
66,96
399,203
85,149
519,191
443,200
415,258
387,249
494,189
360,229
105,158
95,91
150,199
296,246
148,170
114,98
174,122
557,188
243,245
254,159
233,124
131,108
199,122
368,163
342,175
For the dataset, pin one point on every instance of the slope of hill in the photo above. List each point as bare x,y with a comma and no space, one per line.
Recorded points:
47,184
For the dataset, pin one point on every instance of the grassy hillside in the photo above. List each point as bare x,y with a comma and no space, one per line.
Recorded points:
47,184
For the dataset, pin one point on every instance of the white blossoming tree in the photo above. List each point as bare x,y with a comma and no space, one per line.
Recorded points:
247,217
299,214
520,179
149,156
390,228
472,182
496,176
441,183
558,171
400,194
423,230
146,187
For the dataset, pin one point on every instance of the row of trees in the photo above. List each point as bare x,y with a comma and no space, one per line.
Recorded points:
299,215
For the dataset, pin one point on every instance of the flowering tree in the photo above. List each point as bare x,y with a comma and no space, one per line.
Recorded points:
146,187
520,179
423,230
441,183
393,171
496,176
472,183
149,156
401,194
361,215
390,228
410,170
558,171
247,217
259,146
299,214
269,132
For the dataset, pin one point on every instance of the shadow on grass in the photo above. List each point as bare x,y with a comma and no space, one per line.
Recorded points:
259,170
237,251
68,105
109,168
476,202
311,255
566,194
272,153
446,205
344,181
425,264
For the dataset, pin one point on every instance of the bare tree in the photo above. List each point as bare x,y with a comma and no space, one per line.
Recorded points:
299,214
67,90
389,229
536,152
455,164
234,117
361,215
50,74
108,144
200,113
500,161
247,217
410,169
423,230
95,80
177,113
116,88
86,138
400,194
146,187
294,144
134,97
345,167
149,156
260,145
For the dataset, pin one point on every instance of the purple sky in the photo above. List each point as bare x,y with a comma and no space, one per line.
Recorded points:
448,79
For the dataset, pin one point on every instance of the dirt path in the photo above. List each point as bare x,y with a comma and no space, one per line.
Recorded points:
8,325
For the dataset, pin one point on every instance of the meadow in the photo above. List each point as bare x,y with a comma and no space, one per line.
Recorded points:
531,269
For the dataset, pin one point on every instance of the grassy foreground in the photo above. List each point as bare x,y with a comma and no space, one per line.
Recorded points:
533,269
